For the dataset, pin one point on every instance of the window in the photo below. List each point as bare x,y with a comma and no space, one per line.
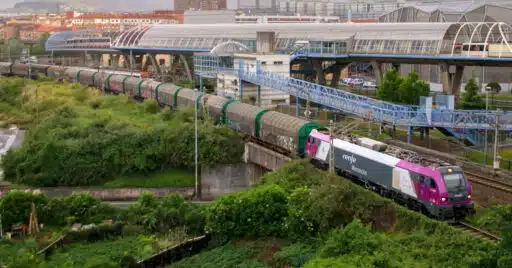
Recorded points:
263,63
429,182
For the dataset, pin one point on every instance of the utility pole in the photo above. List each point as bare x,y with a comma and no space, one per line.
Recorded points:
331,150
487,113
497,158
307,113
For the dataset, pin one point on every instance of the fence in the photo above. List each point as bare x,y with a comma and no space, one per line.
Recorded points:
176,253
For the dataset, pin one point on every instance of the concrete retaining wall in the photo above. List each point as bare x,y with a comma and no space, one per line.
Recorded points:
117,194
229,179
223,180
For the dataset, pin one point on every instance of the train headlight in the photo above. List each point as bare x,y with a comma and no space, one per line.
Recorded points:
469,196
443,199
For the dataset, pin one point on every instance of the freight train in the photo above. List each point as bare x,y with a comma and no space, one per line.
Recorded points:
435,188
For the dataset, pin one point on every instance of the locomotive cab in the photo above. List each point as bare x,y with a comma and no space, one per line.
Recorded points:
458,191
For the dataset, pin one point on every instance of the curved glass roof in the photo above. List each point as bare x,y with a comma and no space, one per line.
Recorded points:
421,38
451,12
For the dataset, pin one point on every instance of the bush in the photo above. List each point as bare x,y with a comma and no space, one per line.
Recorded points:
256,212
353,238
496,219
167,213
96,233
301,221
63,150
495,87
150,106
293,175
15,207
166,113
10,90
295,255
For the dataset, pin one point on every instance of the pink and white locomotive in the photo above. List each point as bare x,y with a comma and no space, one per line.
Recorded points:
435,188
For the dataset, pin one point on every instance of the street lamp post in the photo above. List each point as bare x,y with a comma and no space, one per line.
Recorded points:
195,154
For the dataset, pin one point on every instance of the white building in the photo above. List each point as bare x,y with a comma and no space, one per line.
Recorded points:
286,19
228,85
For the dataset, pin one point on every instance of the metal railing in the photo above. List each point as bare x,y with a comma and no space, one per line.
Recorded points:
383,112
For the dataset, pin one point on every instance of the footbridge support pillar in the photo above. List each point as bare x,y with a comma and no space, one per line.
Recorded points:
336,73
377,69
154,63
319,71
95,59
184,61
114,61
451,81
457,81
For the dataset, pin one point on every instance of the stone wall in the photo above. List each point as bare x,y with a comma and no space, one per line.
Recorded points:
114,194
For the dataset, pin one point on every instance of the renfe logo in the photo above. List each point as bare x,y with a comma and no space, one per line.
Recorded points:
350,158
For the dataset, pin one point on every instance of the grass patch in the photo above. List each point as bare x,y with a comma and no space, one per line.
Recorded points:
80,254
239,253
171,178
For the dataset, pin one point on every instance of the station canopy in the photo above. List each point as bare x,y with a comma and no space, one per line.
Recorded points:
452,11
422,38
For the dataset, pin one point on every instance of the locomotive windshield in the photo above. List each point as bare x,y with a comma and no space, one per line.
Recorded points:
455,182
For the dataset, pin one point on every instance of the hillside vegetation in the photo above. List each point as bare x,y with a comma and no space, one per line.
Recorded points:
78,136
327,221
299,216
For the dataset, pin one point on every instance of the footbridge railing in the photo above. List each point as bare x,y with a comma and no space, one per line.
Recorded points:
377,110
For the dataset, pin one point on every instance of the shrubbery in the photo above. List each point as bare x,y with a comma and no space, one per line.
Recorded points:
162,215
343,217
96,233
256,212
83,138
15,207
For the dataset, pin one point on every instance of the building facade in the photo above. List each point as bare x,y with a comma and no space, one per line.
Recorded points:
286,19
200,4
228,85
121,21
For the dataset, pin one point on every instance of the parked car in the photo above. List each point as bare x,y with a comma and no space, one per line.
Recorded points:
369,84
32,59
356,82
347,80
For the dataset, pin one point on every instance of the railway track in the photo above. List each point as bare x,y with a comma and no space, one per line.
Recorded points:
468,228
490,182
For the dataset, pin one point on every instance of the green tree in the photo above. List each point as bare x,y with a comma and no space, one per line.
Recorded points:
43,39
470,97
12,47
15,207
387,91
37,49
412,88
495,87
